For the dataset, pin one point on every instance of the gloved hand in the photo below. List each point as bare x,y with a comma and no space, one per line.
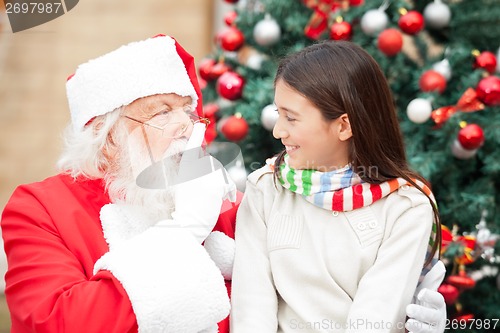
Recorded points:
167,274
428,314
202,185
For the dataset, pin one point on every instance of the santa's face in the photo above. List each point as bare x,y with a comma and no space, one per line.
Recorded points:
160,120
151,137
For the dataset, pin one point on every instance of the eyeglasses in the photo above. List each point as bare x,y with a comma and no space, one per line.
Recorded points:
174,123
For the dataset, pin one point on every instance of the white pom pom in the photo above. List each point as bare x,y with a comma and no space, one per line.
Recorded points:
221,249
419,110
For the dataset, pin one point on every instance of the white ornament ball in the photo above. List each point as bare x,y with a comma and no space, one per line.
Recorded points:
460,152
419,110
374,21
239,176
498,62
267,32
437,15
268,117
221,122
443,67
254,61
224,102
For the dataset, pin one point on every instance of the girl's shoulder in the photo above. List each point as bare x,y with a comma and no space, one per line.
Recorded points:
261,175
264,174
410,194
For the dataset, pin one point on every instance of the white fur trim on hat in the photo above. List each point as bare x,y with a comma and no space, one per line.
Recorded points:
135,70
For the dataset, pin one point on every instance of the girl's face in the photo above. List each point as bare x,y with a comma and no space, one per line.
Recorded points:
310,141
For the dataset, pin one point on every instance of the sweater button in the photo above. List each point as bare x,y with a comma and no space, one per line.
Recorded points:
405,187
361,226
335,213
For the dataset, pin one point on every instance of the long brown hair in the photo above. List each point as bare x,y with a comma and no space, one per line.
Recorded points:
340,77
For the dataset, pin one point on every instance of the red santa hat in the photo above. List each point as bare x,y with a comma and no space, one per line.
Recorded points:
157,65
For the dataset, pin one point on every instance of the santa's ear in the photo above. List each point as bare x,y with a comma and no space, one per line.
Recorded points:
344,127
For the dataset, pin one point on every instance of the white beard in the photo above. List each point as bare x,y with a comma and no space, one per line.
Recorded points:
133,159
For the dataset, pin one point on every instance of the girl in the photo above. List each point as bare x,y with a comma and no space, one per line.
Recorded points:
333,233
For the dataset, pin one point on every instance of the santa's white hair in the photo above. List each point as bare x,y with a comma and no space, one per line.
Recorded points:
84,152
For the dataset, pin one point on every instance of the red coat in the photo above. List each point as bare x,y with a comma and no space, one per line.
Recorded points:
53,237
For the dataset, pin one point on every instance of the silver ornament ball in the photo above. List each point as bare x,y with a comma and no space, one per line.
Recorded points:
267,32
437,15
419,110
374,21
460,152
268,117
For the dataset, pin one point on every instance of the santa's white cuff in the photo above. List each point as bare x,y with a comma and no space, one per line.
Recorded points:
221,249
171,281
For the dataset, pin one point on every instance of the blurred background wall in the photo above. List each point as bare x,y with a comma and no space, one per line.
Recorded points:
35,63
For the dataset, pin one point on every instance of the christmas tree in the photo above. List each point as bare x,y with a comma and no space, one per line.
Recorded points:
440,58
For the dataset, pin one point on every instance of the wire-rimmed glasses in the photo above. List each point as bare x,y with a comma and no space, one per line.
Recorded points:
173,124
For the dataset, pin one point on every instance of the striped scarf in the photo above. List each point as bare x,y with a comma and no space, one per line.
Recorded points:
343,190
340,190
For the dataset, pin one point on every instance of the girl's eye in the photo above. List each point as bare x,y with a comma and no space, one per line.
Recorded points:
286,116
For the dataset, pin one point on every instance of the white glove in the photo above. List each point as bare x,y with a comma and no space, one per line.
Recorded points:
428,314
202,185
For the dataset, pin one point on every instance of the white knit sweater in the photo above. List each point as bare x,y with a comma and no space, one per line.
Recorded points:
300,268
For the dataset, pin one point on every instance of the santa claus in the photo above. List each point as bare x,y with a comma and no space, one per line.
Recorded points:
110,244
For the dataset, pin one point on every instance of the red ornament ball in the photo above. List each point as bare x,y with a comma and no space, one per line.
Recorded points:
230,17
231,1
487,61
463,318
231,39
235,128
210,133
432,80
341,31
471,136
488,90
210,109
202,82
205,68
411,22
462,281
390,42
449,292
356,2
230,85
218,69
